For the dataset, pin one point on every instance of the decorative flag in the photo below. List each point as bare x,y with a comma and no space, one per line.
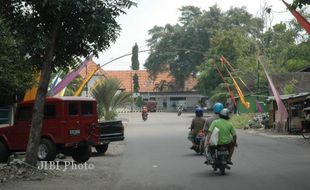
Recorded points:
242,99
70,76
281,108
56,81
302,21
231,94
31,93
79,91
224,60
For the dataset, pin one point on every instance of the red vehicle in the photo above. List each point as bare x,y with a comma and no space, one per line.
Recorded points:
70,126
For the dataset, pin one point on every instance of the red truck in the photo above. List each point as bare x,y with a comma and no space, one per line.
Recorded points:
70,127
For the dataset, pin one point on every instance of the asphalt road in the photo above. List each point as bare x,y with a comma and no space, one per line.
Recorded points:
157,157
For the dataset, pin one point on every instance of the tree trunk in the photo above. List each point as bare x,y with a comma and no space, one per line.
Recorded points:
38,108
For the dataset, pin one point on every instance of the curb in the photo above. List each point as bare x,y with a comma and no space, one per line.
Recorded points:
272,135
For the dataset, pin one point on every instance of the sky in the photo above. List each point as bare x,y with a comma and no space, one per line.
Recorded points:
148,13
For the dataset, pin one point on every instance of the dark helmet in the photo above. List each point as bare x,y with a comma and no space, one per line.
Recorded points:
199,112
217,107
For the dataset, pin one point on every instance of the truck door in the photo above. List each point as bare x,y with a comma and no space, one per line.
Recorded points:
88,118
51,122
73,127
20,131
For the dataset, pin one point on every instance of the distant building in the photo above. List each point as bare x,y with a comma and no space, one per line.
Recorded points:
161,88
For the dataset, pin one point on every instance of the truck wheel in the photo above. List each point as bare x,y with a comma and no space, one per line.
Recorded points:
102,148
47,150
4,153
81,154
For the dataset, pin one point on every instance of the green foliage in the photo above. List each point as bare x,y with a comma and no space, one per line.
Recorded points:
139,101
109,98
16,73
240,121
134,58
81,26
73,86
136,86
290,87
183,46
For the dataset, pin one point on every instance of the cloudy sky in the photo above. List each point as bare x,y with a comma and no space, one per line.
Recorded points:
138,20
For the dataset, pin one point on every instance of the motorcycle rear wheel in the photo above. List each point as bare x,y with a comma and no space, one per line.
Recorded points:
222,169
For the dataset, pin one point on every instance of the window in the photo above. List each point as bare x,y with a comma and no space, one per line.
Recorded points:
87,108
4,115
24,113
50,111
73,109
177,98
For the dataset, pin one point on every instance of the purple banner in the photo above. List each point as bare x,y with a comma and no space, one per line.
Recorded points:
69,77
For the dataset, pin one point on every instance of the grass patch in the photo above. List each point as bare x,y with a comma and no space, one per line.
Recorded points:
240,121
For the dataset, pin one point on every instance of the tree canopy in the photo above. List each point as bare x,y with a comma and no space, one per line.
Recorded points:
193,47
16,73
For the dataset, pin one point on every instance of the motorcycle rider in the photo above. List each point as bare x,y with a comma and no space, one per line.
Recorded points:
144,111
217,108
180,109
227,134
197,124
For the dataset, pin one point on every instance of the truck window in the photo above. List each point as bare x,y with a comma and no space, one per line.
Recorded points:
24,113
87,108
73,109
50,111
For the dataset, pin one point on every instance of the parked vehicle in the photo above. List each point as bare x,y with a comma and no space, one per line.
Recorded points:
151,106
70,126
217,157
110,131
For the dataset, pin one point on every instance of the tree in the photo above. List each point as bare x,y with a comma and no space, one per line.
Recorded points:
182,48
136,86
134,58
55,32
299,3
16,73
109,98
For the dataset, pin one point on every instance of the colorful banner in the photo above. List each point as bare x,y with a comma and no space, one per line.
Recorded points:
70,76
301,20
258,106
281,108
241,96
31,93
91,74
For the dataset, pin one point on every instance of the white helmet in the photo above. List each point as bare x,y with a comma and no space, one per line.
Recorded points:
224,112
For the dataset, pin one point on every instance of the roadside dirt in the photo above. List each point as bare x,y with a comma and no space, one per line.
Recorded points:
100,172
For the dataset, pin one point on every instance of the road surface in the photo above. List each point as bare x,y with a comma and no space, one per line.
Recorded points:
157,156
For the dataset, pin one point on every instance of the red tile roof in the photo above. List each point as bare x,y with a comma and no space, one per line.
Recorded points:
146,84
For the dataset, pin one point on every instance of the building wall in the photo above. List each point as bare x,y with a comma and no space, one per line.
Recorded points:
172,101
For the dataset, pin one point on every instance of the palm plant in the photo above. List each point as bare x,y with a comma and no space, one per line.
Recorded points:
109,97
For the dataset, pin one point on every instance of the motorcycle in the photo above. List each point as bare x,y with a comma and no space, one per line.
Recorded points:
180,110
200,141
217,157
144,116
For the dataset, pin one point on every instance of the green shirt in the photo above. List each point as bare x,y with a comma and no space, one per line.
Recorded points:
226,131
